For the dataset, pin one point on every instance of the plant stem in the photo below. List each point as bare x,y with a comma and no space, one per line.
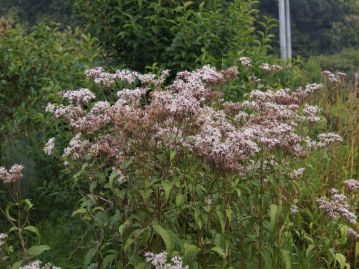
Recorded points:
261,239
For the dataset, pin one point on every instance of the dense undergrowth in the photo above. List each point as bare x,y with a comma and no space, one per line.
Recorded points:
220,167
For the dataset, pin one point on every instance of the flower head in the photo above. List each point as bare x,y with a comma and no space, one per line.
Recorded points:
49,146
351,185
14,174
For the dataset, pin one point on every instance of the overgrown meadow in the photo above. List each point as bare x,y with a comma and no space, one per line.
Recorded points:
170,136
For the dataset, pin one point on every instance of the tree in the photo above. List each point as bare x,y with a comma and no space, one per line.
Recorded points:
320,26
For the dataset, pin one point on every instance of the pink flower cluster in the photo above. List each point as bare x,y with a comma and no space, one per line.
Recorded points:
246,61
337,207
37,265
80,96
339,76
351,185
267,68
353,234
188,114
13,175
297,174
105,79
159,261
328,139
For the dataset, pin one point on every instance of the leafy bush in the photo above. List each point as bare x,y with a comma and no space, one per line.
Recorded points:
175,167
34,65
170,34
31,12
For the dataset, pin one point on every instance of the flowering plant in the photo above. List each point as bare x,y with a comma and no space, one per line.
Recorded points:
172,164
17,214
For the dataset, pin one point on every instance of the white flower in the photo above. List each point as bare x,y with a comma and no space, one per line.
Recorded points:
296,174
246,61
49,146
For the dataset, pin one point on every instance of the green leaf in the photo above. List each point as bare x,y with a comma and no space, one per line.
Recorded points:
309,250
108,260
32,229
286,258
16,265
38,250
79,211
167,187
123,226
341,260
220,216
190,249
273,215
172,154
179,199
89,256
165,236
133,237
93,185
142,265
219,251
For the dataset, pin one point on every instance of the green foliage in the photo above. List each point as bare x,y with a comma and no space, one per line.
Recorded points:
346,60
39,63
35,65
34,11
170,34
320,26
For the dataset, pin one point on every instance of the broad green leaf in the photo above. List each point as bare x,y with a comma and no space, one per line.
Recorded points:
79,211
309,250
123,226
172,154
165,236
32,229
286,258
17,265
341,260
143,265
108,260
133,237
167,187
38,250
180,199
221,219
219,251
190,249
273,215
89,256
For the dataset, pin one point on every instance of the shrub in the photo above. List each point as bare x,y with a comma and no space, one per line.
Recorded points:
34,64
175,167
170,34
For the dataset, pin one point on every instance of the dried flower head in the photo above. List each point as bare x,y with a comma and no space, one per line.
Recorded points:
14,174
